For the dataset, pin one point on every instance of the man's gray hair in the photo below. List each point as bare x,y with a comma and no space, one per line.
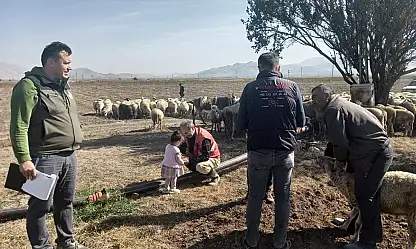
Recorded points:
267,61
324,88
186,124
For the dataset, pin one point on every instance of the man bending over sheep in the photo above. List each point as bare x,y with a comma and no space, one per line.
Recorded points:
270,111
358,137
202,150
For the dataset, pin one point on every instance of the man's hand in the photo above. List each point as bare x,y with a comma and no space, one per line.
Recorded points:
28,170
341,164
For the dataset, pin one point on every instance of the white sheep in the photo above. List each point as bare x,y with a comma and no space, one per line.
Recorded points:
157,117
145,107
391,117
98,105
107,110
152,104
162,105
183,109
172,107
396,193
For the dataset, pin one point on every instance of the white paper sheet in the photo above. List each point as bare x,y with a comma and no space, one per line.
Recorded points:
41,186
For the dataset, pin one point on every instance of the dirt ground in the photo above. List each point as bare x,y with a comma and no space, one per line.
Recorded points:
118,153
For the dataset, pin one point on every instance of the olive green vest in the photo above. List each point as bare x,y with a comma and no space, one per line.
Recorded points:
54,124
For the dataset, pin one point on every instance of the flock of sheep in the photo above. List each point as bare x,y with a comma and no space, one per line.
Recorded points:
398,115
216,110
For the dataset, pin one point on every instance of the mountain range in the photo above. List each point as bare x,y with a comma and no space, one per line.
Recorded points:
313,67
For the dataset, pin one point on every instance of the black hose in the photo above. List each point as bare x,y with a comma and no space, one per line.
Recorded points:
141,187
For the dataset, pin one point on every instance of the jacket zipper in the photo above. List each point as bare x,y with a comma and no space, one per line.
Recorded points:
69,113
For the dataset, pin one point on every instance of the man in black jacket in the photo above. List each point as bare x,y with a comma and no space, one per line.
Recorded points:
270,111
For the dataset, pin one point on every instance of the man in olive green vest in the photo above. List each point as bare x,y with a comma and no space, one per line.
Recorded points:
45,132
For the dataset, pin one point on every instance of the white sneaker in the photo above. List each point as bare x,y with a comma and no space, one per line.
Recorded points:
174,191
164,190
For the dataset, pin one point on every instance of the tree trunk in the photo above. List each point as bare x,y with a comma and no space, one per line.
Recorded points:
382,90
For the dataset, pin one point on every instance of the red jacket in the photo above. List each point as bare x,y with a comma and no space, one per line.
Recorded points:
201,134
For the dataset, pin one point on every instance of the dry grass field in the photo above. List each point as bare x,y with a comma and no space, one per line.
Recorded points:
116,153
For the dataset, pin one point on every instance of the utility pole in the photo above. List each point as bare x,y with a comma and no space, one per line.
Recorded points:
288,74
301,72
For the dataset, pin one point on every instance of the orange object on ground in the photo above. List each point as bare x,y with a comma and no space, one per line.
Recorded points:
99,196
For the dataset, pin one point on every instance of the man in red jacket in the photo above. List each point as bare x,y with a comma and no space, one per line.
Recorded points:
202,150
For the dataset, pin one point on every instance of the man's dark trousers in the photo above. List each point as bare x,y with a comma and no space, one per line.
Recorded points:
368,177
262,163
64,165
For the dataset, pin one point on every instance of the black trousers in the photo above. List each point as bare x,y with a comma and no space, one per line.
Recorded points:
269,182
368,176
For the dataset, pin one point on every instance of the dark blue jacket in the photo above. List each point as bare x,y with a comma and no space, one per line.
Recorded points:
270,111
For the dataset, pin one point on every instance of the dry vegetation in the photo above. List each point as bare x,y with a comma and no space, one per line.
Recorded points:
117,153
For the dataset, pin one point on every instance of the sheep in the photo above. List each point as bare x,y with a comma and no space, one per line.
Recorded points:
391,117
172,107
162,105
98,105
157,117
378,113
145,107
409,106
215,116
230,117
234,99
222,102
152,105
200,104
191,107
136,109
183,109
397,107
107,110
115,110
396,193
126,110
405,118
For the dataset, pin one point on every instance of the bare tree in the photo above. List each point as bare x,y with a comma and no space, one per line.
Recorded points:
375,37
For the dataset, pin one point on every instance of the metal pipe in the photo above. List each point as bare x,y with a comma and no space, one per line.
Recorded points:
141,187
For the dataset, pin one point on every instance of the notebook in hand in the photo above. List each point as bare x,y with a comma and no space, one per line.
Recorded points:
40,187
15,179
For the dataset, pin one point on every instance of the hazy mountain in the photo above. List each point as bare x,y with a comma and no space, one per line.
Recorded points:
88,74
9,71
313,67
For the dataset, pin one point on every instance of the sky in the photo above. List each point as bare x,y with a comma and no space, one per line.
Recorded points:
134,36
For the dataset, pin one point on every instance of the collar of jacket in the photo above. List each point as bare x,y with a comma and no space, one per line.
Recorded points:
268,74
333,98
